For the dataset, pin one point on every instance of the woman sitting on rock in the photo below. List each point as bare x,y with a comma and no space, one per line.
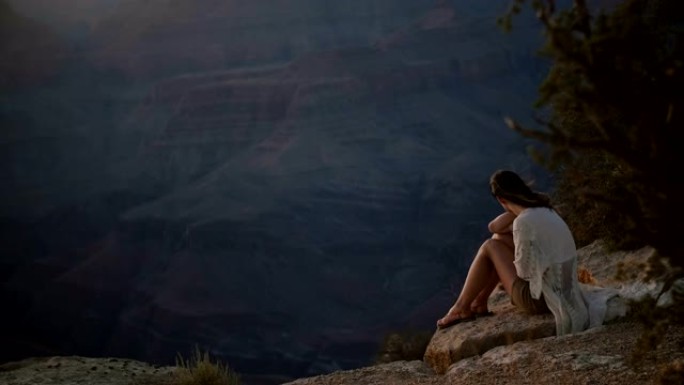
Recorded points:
532,253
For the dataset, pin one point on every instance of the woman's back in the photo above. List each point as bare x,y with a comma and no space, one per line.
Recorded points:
547,230
546,256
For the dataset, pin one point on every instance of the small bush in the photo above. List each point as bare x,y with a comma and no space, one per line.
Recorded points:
200,370
404,346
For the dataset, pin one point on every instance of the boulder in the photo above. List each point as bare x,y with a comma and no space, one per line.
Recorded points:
398,372
472,338
510,325
521,354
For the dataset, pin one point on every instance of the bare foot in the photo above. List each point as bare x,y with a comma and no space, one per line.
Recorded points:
453,317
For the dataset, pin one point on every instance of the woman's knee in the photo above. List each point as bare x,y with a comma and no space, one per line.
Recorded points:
497,248
507,239
492,243
498,237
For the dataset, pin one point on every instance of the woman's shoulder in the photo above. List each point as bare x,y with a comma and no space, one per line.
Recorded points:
544,222
535,215
539,211
532,212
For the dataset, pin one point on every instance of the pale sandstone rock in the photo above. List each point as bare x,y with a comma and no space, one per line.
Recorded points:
79,370
398,372
471,338
596,356
520,355
510,325
514,356
604,265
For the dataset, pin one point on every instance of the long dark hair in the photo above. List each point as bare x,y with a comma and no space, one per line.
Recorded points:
508,185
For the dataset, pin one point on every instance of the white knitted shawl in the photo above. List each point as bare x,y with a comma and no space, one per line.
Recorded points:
545,255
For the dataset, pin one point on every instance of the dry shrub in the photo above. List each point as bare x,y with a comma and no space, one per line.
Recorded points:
403,346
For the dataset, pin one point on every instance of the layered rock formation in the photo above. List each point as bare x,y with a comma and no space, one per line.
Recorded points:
215,34
31,50
470,339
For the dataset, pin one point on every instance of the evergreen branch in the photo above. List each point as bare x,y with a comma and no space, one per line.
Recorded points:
583,17
555,137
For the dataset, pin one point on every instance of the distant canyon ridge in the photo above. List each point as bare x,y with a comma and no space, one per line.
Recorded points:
280,182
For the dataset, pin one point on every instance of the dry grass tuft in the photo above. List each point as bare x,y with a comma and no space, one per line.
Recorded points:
200,370
403,346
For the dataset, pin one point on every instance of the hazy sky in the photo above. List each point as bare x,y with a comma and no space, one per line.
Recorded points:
63,11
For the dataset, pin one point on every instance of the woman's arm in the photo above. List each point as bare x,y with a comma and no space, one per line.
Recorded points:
502,224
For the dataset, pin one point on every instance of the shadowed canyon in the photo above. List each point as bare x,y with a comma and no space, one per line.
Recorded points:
281,182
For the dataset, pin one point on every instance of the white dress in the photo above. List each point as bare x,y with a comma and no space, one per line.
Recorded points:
546,257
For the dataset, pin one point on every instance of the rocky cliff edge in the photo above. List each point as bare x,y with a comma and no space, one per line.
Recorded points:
514,348
507,348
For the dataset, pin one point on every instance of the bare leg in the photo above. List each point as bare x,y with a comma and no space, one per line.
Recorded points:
479,304
506,238
493,257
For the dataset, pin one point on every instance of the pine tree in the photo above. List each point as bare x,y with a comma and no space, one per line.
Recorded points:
614,128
